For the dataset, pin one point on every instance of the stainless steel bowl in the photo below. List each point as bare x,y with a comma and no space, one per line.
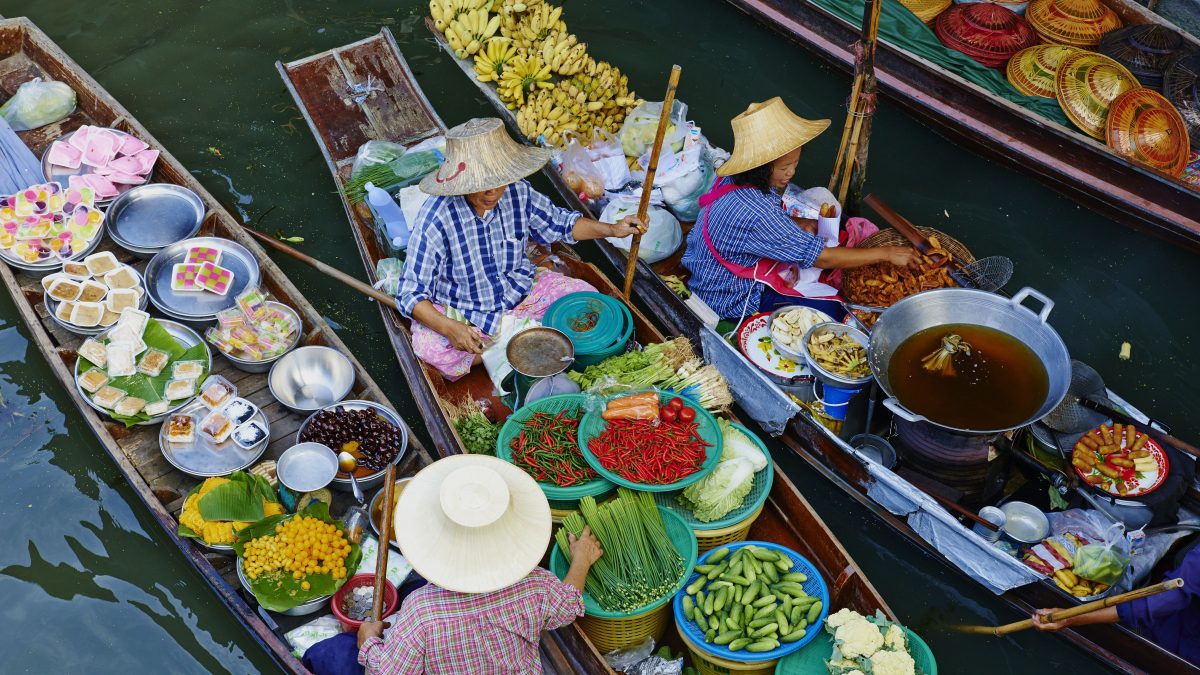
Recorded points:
401,483
305,467
311,378
821,373
151,217
1025,522
52,307
782,349
265,364
299,610
372,480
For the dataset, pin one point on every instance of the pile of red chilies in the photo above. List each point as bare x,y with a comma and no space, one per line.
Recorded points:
547,448
651,452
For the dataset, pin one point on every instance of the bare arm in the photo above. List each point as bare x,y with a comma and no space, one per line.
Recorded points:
585,550
586,228
461,336
843,257
1106,615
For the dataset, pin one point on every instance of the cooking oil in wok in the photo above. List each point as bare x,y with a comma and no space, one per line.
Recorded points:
995,383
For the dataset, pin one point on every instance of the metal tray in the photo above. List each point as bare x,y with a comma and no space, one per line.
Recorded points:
198,306
151,217
52,307
204,458
61,174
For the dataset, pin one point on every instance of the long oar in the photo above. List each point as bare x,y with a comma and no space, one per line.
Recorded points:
861,105
326,269
385,540
1085,608
664,120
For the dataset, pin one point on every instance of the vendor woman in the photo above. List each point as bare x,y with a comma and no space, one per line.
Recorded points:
466,266
746,254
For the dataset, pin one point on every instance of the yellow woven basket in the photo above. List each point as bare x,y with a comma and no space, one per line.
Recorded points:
708,664
557,515
707,540
609,634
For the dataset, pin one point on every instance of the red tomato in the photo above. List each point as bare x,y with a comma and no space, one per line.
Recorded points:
675,404
687,415
667,414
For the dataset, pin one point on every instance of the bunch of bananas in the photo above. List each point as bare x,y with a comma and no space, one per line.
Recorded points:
528,30
522,75
470,31
491,60
513,6
565,54
543,116
444,11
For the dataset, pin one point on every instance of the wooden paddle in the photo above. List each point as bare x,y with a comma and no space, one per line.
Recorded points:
664,120
326,269
859,109
385,540
1085,608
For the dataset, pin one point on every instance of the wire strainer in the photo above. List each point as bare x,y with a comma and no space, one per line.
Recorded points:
988,274
1070,416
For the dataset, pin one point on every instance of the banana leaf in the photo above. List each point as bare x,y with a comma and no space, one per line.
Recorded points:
148,388
279,592
241,499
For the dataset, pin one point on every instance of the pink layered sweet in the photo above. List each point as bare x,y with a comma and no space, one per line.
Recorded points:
81,181
126,178
129,165
104,187
79,139
147,158
131,146
101,148
65,155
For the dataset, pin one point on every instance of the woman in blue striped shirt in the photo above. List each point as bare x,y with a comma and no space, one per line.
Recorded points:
746,253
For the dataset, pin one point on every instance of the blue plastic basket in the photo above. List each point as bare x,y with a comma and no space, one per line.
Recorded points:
815,587
757,496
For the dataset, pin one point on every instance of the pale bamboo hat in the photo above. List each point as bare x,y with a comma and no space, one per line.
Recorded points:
480,155
766,132
472,523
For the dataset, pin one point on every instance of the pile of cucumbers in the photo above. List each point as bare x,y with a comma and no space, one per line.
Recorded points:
750,600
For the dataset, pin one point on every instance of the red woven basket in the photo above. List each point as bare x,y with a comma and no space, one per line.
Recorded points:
988,33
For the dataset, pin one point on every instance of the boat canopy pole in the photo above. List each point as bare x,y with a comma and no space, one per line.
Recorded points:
850,167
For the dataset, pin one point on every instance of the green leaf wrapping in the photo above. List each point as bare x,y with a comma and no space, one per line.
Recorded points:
241,499
151,389
279,592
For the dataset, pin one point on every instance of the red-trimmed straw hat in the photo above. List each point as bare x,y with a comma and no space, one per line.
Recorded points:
1143,126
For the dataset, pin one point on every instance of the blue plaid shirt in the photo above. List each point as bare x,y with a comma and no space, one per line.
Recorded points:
478,265
745,226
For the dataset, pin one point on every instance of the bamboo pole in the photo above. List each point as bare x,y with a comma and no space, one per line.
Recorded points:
648,186
850,165
1085,608
385,540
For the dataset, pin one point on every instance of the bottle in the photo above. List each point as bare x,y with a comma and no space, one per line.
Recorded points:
388,216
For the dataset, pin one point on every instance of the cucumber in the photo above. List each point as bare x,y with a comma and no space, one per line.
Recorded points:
786,604
722,595
795,577
814,611
716,571
739,644
797,615
737,594
791,588
714,624
769,610
708,604
704,569
794,635
803,624
718,555
695,586
736,567
764,601
766,630
766,555
736,579
718,585
747,613
749,573
771,573
761,646
781,619
710,635
688,607
750,594
759,623
784,564
727,637
731,624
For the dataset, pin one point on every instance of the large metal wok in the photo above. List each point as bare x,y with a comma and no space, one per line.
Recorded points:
960,305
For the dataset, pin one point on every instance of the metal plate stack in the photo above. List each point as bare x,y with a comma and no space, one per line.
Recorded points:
149,218
200,307
988,33
1086,85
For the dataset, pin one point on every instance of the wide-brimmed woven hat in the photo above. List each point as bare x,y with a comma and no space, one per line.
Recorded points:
1079,23
766,132
988,33
1144,49
926,10
1032,71
472,523
480,155
1143,126
1181,85
1086,85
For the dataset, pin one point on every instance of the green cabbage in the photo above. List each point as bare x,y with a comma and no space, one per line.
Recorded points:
736,444
721,491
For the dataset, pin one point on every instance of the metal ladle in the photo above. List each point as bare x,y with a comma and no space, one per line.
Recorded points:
347,464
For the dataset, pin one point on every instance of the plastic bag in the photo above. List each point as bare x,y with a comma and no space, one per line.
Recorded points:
580,174
620,659
374,153
1104,561
38,103
638,131
687,207
609,159
389,271
663,234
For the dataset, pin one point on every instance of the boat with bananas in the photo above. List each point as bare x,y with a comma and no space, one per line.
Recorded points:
396,109
26,53
934,462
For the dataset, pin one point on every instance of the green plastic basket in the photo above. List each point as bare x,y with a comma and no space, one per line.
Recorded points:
810,660
757,496
565,498
685,544
597,343
594,424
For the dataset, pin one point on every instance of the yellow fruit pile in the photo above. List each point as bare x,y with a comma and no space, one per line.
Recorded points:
300,546
531,47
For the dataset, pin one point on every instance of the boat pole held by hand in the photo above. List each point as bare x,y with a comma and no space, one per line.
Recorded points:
385,541
664,120
1085,608
324,269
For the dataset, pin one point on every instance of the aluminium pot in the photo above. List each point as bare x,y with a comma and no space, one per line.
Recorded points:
962,305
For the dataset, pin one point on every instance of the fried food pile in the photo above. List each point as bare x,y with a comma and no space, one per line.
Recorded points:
884,284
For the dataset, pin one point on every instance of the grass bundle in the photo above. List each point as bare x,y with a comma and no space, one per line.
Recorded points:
640,564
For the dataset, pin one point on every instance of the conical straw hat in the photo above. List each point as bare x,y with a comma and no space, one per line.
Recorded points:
1079,23
1181,85
1032,71
1086,84
988,33
766,132
1144,49
926,10
472,523
480,155
1143,126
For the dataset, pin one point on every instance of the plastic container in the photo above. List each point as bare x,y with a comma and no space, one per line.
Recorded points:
388,215
597,325
391,599
812,658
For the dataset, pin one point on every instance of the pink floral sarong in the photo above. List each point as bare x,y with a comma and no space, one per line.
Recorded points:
433,348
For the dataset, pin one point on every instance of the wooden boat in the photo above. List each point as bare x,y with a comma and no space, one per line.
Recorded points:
829,455
1064,158
25,53
398,111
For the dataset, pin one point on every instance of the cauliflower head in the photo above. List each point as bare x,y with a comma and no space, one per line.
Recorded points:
892,663
840,617
895,639
858,637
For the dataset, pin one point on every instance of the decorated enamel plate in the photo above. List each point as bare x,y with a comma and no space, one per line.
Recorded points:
754,340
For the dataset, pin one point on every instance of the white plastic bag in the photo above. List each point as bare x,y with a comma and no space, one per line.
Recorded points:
37,104
580,173
609,159
638,130
663,233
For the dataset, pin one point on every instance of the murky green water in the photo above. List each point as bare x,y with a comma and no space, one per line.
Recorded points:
87,581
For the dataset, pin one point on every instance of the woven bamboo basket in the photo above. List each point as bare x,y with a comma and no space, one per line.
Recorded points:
610,634
707,540
926,10
890,237
708,664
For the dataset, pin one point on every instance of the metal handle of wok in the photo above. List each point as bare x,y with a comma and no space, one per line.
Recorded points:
893,404
1047,303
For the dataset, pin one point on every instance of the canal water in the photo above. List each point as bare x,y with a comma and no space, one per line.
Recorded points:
88,582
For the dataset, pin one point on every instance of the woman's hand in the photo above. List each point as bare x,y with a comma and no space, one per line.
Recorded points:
586,547
370,629
462,337
629,225
900,256
1041,620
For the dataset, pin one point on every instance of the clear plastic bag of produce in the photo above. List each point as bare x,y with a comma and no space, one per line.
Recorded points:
37,104
641,659
579,172
374,153
687,206
609,159
637,133
1104,561
389,271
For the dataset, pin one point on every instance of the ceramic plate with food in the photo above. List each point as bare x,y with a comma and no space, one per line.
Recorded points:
754,340
1121,460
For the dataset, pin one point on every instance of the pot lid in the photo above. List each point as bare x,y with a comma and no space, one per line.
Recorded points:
1032,70
926,10
1181,85
1144,49
1080,23
988,33
1086,85
1143,126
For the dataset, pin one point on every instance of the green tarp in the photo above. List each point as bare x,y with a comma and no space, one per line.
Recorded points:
902,28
